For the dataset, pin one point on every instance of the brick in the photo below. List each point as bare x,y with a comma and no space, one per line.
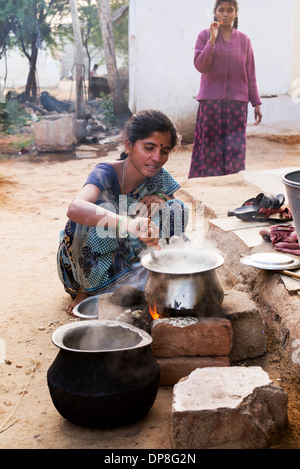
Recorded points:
189,337
174,369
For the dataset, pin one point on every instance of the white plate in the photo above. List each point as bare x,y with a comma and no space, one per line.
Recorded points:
271,261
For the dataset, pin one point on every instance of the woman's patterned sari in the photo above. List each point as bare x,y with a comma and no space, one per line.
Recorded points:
95,258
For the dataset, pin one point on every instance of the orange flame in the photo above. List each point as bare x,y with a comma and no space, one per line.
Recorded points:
153,312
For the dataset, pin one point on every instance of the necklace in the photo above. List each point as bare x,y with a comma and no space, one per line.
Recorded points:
123,177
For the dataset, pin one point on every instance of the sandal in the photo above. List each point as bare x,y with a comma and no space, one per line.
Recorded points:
262,206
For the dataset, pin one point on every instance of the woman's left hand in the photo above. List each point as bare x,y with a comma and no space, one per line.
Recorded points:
257,114
149,205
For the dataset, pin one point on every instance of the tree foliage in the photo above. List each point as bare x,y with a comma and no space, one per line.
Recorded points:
90,28
32,24
106,23
29,24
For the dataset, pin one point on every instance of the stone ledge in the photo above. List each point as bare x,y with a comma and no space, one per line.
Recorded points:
227,408
248,327
278,307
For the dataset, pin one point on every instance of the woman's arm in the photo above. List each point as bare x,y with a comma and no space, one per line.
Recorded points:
84,211
254,97
204,49
253,90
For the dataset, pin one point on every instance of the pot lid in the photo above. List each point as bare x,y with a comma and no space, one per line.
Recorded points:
271,261
182,261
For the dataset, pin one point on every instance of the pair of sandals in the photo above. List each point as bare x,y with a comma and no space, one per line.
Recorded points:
262,207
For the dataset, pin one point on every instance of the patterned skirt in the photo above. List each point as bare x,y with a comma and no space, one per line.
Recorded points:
220,138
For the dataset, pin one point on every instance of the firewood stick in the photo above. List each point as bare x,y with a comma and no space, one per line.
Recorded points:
290,274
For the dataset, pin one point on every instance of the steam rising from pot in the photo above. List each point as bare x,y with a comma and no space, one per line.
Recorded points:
100,336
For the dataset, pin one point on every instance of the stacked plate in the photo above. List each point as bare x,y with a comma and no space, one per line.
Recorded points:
271,261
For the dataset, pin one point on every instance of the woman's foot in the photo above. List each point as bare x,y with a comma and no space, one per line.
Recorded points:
81,295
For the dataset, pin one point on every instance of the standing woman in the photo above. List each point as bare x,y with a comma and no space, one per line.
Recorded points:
123,208
224,57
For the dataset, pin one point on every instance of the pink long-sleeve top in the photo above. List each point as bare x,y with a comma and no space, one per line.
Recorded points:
227,69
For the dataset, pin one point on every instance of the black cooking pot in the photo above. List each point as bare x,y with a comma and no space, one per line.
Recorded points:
104,374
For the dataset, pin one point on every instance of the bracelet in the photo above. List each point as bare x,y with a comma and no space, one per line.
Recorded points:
118,228
161,195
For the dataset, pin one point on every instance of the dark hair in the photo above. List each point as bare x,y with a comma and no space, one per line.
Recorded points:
236,6
142,124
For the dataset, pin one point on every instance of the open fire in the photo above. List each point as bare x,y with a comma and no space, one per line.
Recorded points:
153,312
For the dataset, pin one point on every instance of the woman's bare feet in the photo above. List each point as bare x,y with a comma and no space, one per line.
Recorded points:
81,295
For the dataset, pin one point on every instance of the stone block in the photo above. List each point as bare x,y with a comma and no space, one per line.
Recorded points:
227,408
174,369
55,133
248,327
189,337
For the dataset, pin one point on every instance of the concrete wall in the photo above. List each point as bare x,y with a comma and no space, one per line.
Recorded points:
48,70
162,37
67,61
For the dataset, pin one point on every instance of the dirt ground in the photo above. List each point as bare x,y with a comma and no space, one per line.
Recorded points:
34,194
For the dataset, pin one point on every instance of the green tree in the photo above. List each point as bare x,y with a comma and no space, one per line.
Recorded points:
79,61
32,23
91,32
5,29
5,39
91,35
120,105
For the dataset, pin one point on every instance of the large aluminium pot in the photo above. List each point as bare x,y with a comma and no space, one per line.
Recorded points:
292,185
104,374
183,282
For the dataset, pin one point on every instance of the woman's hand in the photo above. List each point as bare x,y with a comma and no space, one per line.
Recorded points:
257,114
145,230
214,31
149,205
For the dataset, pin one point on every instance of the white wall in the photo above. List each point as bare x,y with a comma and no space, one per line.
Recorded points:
270,28
296,45
48,70
68,60
162,37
